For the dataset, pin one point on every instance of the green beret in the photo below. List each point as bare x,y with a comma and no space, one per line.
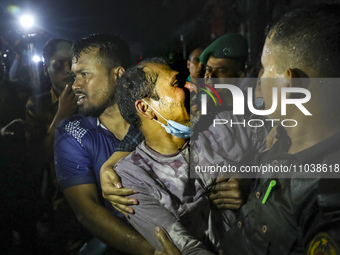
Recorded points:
227,46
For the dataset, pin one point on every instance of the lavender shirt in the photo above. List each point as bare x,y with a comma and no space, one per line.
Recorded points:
169,197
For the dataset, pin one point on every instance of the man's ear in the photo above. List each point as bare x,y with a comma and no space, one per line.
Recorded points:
188,64
120,70
144,109
298,78
116,72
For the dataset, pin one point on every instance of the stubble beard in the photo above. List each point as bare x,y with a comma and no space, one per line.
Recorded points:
92,111
96,111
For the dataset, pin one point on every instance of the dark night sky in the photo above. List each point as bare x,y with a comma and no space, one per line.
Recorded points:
75,18
79,18
152,27
155,24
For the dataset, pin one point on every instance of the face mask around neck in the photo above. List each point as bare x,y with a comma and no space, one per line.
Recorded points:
173,127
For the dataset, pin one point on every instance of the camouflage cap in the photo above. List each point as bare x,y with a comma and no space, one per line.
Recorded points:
226,46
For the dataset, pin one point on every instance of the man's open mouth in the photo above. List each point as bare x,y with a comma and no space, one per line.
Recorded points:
81,99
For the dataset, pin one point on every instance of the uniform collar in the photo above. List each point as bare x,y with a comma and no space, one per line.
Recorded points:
54,96
312,154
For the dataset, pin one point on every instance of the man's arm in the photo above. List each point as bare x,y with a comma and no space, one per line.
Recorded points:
101,223
40,135
150,212
14,68
16,127
112,189
225,194
67,106
168,247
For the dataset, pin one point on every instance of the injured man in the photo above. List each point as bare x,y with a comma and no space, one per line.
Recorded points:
171,194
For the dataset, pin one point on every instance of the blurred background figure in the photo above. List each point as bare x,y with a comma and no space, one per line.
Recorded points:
19,69
194,65
43,114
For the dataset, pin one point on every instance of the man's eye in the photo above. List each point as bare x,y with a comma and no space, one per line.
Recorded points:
221,71
84,74
56,65
195,61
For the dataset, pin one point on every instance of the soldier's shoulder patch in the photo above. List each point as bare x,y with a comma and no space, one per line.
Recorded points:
323,244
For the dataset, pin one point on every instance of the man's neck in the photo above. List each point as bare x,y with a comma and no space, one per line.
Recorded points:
162,142
114,122
167,146
310,132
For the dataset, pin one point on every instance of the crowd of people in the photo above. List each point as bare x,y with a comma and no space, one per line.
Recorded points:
114,147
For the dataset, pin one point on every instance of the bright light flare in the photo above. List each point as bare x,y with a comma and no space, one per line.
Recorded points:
26,21
36,58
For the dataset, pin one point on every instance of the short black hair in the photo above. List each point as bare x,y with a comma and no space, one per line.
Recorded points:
136,84
197,48
113,50
311,35
51,47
